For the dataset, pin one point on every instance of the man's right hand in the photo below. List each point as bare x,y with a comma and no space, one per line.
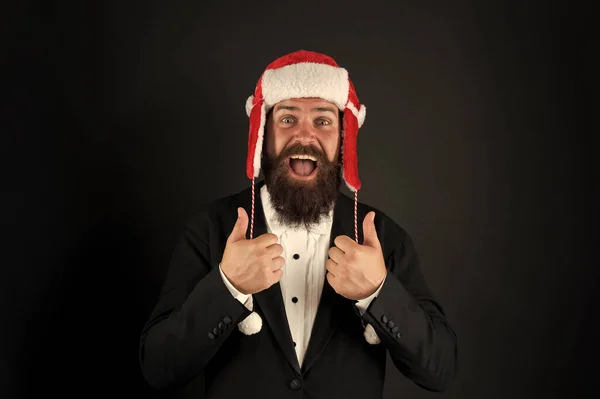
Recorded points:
251,265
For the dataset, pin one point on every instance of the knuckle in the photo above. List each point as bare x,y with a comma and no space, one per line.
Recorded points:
261,252
351,255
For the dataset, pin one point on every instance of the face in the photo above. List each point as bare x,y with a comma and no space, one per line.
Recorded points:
301,158
306,121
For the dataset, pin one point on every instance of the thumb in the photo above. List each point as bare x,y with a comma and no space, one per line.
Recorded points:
238,232
369,232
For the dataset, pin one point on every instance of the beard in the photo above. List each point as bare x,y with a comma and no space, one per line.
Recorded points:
301,202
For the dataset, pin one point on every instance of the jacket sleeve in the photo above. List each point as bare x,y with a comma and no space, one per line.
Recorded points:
194,315
412,325
243,298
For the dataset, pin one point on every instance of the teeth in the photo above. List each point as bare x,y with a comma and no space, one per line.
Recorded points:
304,157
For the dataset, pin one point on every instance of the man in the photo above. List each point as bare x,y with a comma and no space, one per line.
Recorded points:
276,291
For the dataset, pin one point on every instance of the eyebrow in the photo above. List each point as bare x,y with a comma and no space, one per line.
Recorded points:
317,109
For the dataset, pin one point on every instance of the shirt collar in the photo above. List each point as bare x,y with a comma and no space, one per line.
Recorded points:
277,228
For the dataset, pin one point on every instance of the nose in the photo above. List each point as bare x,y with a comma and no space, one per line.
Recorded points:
305,133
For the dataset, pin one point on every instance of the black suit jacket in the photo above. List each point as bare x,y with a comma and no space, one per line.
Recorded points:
192,332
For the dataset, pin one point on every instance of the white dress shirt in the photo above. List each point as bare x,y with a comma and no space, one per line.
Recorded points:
305,253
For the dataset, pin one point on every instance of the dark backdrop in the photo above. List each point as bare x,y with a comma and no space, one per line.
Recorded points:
120,118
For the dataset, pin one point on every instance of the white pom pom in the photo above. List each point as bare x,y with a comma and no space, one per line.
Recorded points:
251,324
371,336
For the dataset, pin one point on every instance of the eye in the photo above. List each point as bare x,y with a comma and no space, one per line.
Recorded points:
323,122
287,119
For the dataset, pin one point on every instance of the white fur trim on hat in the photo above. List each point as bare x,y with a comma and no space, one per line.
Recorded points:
359,114
306,79
249,105
371,336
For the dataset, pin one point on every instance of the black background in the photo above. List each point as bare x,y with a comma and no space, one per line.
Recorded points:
120,118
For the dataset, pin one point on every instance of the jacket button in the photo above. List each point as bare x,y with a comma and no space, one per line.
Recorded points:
216,331
295,384
391,324
222,325
384,318
394,330
227,320
399,335
211,335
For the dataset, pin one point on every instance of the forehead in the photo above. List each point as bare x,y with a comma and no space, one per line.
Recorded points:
305,104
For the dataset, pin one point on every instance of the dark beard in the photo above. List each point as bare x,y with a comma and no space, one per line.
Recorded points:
299,202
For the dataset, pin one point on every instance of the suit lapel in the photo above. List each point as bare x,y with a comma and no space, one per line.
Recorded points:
270,301
331,305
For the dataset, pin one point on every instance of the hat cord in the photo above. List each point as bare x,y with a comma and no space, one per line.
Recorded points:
252,217
355,216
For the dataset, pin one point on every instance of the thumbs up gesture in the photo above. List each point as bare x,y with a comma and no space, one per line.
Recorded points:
251,265
355,270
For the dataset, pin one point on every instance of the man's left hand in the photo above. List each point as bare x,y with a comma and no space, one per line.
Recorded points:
356,271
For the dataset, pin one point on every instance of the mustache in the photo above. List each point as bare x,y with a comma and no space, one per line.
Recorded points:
299,149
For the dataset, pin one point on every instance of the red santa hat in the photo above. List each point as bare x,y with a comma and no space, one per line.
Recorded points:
304,74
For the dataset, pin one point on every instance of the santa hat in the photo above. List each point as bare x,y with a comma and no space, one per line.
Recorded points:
303,74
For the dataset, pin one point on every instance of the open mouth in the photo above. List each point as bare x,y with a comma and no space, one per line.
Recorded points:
303,167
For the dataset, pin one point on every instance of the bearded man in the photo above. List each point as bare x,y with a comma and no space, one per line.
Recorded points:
275,291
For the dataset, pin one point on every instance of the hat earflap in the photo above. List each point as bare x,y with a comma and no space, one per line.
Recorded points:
353,120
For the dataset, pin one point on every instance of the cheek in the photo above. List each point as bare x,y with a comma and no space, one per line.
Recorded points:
275,144
332,146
